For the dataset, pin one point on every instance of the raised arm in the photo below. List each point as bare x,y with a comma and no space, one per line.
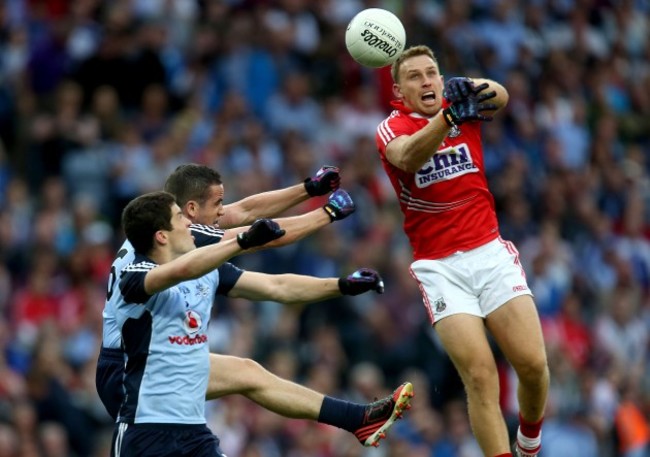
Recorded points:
471,100
272,203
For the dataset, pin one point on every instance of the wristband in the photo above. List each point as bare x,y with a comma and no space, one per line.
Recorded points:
331,212
242,240
344,286
449,117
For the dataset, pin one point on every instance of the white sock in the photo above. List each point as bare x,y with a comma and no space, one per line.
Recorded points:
528,443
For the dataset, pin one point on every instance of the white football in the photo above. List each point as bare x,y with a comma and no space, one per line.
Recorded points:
375,37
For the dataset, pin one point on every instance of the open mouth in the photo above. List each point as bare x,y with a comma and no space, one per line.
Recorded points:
428,97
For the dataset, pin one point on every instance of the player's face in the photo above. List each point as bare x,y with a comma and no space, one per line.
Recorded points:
180,237
209,212
420,85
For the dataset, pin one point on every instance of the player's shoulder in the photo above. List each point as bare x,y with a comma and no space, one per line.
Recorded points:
391,126
206,234
139,264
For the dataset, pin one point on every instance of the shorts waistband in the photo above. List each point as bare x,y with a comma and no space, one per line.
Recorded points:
111,353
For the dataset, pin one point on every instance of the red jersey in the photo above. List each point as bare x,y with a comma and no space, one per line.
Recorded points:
447,205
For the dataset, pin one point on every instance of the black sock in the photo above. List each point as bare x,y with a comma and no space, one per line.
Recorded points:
342,414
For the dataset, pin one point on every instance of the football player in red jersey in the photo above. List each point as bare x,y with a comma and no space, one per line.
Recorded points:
471,279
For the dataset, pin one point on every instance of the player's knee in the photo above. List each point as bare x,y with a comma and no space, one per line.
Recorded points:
481,379
533,370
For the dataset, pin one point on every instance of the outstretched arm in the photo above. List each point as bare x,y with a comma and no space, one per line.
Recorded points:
272,203
200,261
295,289
339,206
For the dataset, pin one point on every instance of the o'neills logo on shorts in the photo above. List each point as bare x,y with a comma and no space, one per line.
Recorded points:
188,340
448,163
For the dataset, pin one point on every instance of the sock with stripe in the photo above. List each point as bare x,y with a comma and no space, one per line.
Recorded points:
342,414
529,435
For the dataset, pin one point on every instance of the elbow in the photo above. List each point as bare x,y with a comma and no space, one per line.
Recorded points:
185,271
409,166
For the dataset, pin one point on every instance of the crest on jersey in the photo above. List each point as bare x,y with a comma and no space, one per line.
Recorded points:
439,305
184,290
192,322
454,132
202,290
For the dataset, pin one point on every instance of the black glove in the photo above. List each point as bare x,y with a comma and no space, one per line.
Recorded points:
326,180
457,89
339,205
361,281
467,108
261,232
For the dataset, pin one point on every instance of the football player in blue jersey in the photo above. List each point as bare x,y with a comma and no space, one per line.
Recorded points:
163,306
199,191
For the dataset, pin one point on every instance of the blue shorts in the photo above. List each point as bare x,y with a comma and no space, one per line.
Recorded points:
164,440
108,379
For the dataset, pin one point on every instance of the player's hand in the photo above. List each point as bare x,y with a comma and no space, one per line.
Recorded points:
339,206
261,232
361,281
470,107
326,180
457,89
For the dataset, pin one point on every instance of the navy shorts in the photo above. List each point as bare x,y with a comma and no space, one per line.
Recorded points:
164,440
108,379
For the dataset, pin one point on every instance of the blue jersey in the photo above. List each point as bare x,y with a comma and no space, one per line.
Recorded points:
111,363
203,236
164,337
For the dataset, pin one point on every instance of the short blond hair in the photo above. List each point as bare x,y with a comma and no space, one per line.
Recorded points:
419,50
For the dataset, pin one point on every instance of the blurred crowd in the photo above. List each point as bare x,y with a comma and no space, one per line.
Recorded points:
100,100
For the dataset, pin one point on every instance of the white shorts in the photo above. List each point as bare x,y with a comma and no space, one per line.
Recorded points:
473,282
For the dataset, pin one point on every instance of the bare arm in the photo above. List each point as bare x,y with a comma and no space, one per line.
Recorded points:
501,98
191,265
411,152
265,204
290,289
297,228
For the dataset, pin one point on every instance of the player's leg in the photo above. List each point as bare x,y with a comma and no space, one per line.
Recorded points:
516,329
465,340
369,422
234,375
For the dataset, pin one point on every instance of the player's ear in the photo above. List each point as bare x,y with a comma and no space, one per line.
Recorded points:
191,208
160,237
397,91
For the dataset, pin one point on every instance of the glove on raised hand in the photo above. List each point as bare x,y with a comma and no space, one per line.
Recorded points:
361,281
339,206
457,89
326,180
465,108
261,232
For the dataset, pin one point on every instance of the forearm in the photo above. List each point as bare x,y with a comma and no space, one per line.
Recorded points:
191,265
501,98
294,289
298,227
415,150
265,204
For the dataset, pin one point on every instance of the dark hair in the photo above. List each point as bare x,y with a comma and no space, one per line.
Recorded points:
419,50
144,216
191,182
